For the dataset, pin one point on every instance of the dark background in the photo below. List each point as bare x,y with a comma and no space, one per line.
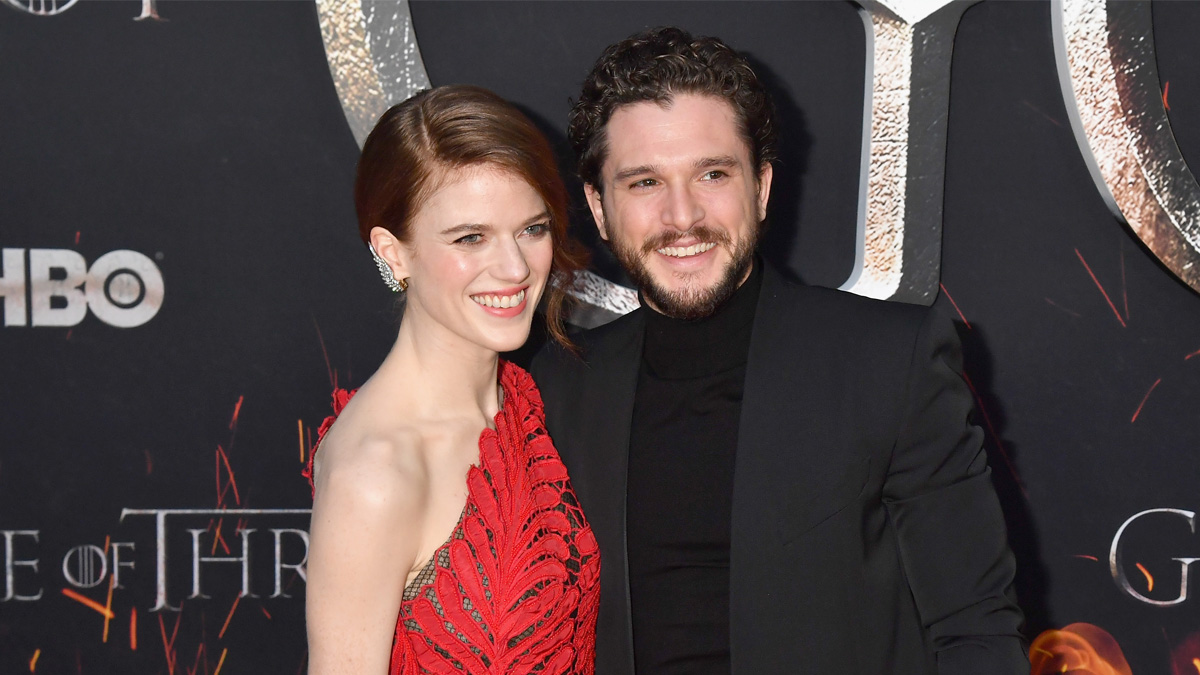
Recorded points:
214,143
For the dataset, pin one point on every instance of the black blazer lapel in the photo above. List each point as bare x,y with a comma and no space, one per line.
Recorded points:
605,415
782,468
778,395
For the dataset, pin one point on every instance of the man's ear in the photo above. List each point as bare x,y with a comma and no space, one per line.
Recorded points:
596,204
764,189
394,252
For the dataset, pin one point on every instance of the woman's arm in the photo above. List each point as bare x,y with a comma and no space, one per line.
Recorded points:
364,537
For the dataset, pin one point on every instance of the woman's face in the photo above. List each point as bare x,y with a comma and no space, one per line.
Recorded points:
478,258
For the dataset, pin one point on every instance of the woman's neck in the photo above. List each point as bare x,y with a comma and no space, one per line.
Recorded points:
440,375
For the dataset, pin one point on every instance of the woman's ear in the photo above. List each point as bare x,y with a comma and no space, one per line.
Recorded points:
392,251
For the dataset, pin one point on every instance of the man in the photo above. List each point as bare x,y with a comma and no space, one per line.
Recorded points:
782,478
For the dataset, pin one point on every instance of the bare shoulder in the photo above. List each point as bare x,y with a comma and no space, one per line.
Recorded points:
371,464
369,509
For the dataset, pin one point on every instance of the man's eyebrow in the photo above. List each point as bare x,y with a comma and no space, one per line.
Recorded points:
727,161
467,227
624,174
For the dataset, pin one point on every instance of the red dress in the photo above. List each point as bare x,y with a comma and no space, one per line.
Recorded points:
516,588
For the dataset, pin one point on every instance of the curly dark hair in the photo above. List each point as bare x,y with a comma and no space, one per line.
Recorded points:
655,65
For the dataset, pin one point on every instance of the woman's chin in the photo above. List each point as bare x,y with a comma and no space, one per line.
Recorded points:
508,340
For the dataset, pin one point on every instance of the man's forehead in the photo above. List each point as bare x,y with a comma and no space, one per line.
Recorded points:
687,128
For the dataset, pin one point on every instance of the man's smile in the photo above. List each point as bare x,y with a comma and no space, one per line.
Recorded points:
686,251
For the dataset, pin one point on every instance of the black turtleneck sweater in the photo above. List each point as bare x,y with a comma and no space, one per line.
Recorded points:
680,491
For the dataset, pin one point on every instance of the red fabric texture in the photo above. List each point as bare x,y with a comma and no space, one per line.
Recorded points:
517,587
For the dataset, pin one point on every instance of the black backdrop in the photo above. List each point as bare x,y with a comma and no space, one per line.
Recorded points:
213,143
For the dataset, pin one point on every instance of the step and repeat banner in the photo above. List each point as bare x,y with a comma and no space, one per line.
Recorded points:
182,283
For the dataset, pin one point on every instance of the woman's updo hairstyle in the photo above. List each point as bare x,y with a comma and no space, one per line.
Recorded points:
417,143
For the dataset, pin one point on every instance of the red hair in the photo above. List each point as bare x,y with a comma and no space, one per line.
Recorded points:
414,145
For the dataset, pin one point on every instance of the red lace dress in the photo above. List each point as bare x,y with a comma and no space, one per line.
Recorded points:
516,588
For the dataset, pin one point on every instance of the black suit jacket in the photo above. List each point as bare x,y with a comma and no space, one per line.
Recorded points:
866,535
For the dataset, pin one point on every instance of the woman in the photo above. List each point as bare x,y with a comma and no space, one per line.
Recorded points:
445,535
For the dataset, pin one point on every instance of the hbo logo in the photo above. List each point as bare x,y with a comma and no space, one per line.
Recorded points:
122,288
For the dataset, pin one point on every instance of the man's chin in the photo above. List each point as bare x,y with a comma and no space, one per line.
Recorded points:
687,302
686,291
695,295
687,280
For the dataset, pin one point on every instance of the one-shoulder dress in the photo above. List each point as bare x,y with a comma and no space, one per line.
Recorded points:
516,588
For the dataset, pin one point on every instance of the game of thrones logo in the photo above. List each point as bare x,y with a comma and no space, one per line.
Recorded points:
182,546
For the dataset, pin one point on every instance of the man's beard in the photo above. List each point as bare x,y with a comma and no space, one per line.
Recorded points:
690,302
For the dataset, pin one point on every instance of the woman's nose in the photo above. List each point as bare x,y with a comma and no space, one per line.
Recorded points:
511,264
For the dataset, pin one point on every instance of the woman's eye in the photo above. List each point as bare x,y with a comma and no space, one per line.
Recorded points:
469,239
537,230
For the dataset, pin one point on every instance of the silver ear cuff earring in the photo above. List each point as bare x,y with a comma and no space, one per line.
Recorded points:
385,271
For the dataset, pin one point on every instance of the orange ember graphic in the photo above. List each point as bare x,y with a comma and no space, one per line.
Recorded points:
237,408
229,617
1144,399
955,304
169,645
1078,648
1149,578
1101,287
196,663
107,612
991,429
300,429
1185,657
108,616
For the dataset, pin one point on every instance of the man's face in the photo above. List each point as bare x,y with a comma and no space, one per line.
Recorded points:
682,202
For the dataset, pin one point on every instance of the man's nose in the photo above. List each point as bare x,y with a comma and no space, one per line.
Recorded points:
682,210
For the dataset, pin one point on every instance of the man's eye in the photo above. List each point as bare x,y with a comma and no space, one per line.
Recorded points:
537,230
643,183
469,239
715,174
